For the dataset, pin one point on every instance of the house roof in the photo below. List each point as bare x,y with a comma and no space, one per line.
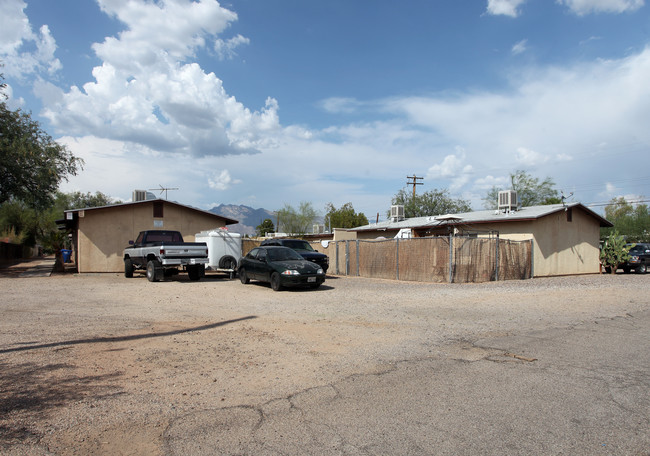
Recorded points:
480,217
229,221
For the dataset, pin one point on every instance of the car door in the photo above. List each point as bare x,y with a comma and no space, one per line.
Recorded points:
263,268
249,263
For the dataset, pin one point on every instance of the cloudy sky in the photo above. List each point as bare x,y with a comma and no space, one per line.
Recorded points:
274,102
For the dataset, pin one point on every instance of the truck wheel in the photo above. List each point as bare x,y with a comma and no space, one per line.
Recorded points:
243,277
641,269
194,272
275,282
128,268
153,266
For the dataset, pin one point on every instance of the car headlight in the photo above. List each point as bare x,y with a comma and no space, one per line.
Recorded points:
290,272
320,271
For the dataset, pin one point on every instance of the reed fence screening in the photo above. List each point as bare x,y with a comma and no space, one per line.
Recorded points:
433,259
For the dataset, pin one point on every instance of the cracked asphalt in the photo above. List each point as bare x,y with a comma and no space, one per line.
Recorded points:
100,364
578,390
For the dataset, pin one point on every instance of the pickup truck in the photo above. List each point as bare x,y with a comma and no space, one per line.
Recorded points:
162,252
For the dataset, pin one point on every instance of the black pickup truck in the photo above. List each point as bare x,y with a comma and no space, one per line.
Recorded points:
163,252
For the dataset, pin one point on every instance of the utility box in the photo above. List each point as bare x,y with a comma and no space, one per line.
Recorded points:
224,249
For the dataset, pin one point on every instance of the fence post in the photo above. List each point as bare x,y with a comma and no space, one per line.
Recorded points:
357,241
347,258
496,273
532,263
397,258
336,255
451,257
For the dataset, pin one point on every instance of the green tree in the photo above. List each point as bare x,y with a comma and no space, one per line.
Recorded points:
633,223
345,217
530,191
434,202
32,164
265,227
78,200
297,221
614,252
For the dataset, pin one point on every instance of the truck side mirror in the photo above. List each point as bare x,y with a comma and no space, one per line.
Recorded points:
131,242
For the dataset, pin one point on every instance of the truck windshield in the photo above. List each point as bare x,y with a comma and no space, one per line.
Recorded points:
298,245
163,236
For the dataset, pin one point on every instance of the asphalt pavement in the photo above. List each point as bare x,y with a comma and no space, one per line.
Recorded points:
581,390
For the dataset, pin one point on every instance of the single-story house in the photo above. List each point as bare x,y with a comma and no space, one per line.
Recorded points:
565,236
100,234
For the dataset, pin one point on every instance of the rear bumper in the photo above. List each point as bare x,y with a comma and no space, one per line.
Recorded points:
184,261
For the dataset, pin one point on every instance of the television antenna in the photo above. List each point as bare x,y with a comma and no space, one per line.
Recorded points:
164,189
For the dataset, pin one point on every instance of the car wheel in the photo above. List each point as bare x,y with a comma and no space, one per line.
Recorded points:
608,269
641,269
243,277
275,282
128,268
194,272
153,266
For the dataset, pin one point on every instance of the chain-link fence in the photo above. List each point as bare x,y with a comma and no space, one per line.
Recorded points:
433,259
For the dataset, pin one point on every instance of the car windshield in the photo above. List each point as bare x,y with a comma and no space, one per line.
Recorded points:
298,245
639,248
283,254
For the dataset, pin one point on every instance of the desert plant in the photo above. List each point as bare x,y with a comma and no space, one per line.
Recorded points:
614,252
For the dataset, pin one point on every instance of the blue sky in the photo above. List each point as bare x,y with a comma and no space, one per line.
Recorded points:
274,102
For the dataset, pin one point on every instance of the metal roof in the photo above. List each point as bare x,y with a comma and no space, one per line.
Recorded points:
477,217
229,221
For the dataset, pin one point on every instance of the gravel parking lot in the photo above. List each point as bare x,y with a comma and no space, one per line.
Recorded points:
101,364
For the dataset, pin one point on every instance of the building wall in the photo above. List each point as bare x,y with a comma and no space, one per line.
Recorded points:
560,247
104,233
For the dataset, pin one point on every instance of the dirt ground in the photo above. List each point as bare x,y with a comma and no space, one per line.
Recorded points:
101,364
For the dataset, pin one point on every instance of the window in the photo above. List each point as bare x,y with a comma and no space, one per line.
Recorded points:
158,209
569,215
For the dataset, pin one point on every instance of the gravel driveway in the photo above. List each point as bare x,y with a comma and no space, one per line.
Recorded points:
101,364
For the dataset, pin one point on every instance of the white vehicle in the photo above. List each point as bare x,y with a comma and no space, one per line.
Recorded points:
224,249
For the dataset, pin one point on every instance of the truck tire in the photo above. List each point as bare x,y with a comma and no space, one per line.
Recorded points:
153,270
641,269
128,268
194,272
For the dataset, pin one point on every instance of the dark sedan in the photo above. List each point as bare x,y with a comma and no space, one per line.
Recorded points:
281,267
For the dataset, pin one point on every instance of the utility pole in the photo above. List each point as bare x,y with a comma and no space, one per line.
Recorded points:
413,180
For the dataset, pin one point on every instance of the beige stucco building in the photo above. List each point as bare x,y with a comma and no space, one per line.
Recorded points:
565,236
100,234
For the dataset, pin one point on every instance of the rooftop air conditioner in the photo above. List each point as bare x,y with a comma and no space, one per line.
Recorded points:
139,195
318,229
397,213
508,200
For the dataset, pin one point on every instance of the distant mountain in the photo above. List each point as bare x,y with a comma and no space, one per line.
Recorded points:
248,217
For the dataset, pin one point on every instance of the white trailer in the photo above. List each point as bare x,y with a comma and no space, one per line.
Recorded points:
224,250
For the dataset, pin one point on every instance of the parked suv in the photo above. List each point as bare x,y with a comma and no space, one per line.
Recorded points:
639,259
304,249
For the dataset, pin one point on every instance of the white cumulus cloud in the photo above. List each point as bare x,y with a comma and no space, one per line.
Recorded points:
148,91
582,7
18,40
504,7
